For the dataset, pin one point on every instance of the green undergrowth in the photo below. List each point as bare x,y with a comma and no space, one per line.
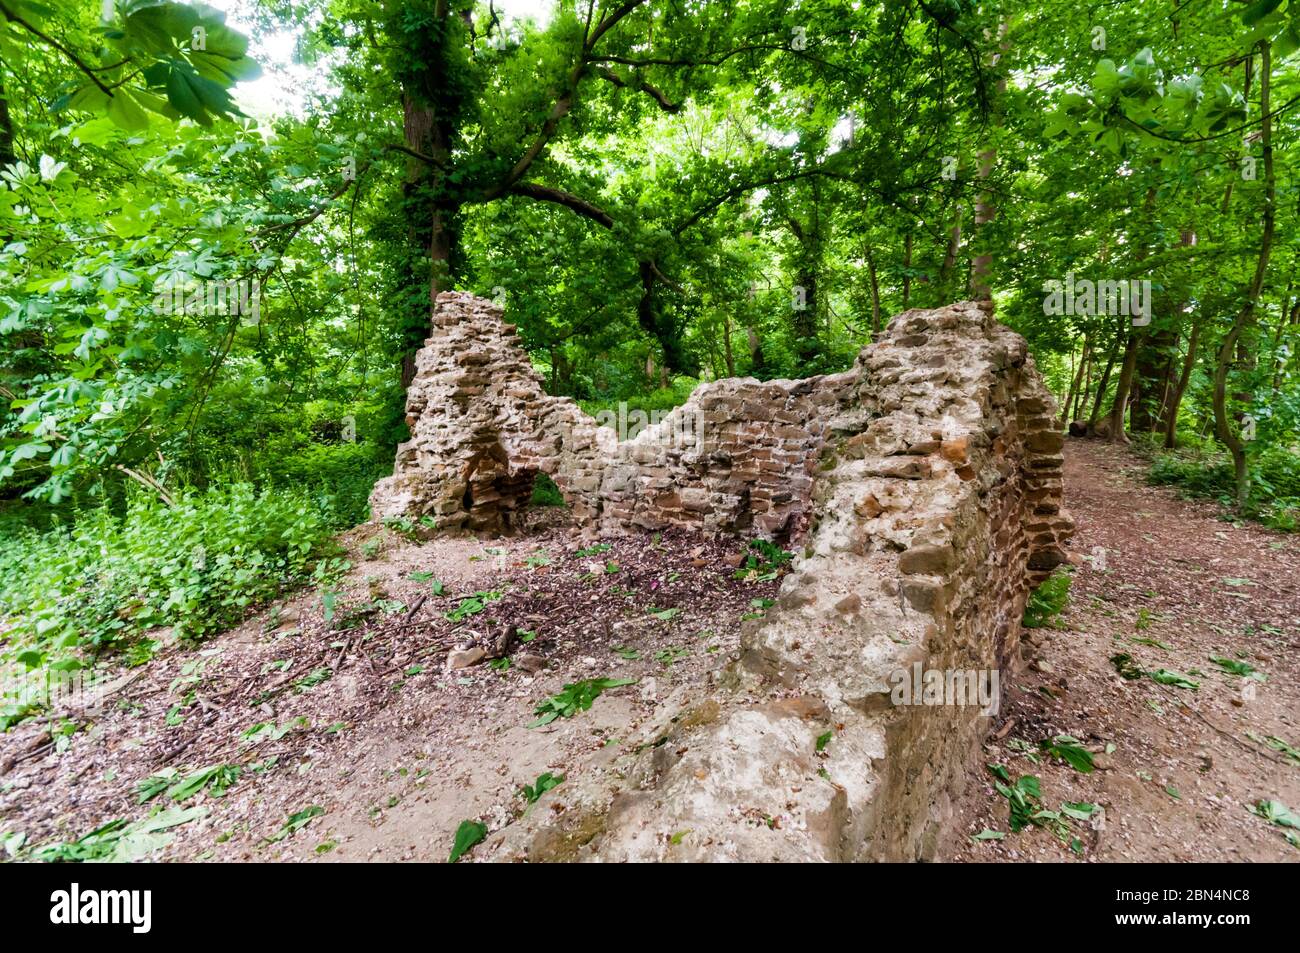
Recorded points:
1201,472
99,584
1048,601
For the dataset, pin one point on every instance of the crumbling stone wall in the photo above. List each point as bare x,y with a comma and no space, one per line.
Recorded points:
924,490
482,428
739,456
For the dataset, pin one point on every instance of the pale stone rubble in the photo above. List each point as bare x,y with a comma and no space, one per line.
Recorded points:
921,491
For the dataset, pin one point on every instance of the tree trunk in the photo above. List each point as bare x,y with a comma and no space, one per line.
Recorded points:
7,155
1104,383
726,343
1152,379
757,362
981,271
804,323
1122,387
1284,321
1227,351
430,213
950,255
1176,396
907,270
875,293
982,265
1083,391
1076,381
429,216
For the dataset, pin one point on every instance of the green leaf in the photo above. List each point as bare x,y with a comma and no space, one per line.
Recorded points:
545,782
159,23
467,835
296,822
1233,666
575,697
1070,751
1165,676
89,98
1275,812
1288,41
1258,11
1105,78
220,40
1079,810
181,95
126,113
226,70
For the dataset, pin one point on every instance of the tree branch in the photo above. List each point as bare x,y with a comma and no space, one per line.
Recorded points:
299,223
562,104
10,15
666,104
606,23
543,193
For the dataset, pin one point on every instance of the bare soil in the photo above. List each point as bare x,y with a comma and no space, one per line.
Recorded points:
364,721
1169,583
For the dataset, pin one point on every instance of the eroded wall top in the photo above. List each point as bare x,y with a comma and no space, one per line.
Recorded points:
739,456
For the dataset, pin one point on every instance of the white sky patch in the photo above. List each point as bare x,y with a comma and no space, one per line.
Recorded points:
843,134
284,85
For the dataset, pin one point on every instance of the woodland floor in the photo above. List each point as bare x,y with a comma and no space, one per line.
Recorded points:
363,722
388,752
1179,585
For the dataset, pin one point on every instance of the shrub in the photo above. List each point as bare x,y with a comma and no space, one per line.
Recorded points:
545,492
1274,482
662,399
1047,601
339,476
196,566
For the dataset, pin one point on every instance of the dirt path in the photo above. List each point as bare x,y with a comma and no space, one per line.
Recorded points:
1169,584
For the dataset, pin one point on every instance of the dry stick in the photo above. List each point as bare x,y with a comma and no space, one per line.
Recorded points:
40,748
338,661
145,480
81,709
414,609
35,752
176,751
183,746
1237,741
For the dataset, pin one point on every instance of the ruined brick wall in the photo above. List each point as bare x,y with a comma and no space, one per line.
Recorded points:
737,457
482,427
923,501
